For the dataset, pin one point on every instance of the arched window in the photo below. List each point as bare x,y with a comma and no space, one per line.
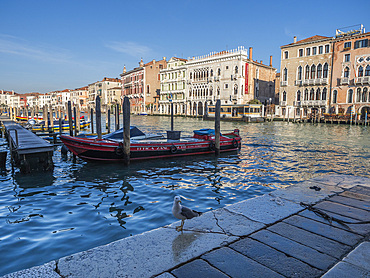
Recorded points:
318,94
284,96
299,73
235,89
335,96
324,92
364,95
285,75
325,71
211,72
307,72
367,70
306,94
210,91
191,75
299,95
360,71
312,94
319,71
346,72
358,95
218,91
236,69
313,71
219,72
350,96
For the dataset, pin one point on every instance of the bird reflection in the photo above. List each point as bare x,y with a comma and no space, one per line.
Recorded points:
182,243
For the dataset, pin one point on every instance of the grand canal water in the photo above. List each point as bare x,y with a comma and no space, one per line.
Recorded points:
82,205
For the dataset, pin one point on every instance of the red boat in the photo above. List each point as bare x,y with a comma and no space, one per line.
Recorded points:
143,147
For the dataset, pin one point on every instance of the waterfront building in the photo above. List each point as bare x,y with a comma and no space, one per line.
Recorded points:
351,73
114,96
32,99
230,76
100,88
79,97
5,98
305,77
47,99
173,85
142,86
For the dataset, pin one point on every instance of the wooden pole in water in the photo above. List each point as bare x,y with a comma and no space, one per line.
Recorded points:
60,126
70,122
92,119
217,127
171,116
117,115
78,128
126,131
76,120
365,118
51,118
98,116
108,120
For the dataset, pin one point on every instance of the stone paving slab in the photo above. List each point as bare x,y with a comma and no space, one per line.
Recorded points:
221,221
349,211
198,269
45,271
354,195
346,270
305,192
294,249
351,202
266,209
343,181
319,243
236,265
166,275
144,255
361,189
361,229
325,230
275,260
360,256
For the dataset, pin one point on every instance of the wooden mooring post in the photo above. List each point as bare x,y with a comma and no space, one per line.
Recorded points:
117,117
70,122
217,127
92,119
98,116
108,121
171,116
126,131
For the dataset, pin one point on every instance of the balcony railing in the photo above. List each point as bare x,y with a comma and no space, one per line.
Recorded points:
313,103
282,103
363,80
298,82
297,103
284,83
344,81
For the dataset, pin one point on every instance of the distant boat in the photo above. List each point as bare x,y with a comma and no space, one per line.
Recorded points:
65,125
143,147
143,114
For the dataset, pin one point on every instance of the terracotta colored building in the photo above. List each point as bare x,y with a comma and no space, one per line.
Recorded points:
350,91
142,86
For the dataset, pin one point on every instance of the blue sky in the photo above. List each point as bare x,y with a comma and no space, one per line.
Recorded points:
55,45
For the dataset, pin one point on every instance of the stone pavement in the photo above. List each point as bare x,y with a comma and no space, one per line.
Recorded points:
267,236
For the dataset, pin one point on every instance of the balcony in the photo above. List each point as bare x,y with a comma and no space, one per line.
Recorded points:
298,82
362,80
305,82
313,103
344,81
284,83
297,103
283,103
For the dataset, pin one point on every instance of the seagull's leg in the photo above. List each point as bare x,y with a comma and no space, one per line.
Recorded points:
179,228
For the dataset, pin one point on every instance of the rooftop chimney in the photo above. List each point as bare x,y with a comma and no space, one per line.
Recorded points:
141,63
250,53
270,60
124,69
295,39
164,58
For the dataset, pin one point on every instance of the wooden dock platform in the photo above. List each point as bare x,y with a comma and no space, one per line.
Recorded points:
28,151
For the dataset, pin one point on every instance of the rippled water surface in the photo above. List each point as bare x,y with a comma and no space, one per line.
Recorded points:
82,205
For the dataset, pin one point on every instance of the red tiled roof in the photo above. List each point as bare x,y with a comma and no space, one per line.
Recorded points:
310,39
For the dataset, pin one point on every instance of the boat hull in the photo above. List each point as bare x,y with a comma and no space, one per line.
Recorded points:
103,150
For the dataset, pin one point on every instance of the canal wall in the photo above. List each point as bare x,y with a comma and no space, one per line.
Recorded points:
314,228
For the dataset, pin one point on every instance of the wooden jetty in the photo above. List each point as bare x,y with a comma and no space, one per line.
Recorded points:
28,151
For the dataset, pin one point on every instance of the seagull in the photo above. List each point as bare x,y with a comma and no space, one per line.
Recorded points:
182,212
